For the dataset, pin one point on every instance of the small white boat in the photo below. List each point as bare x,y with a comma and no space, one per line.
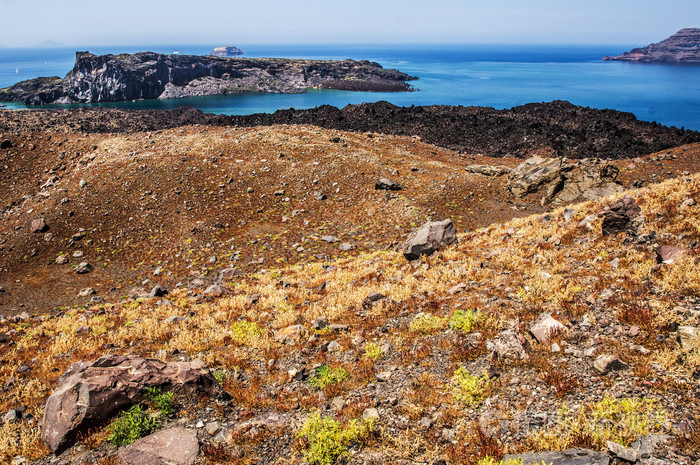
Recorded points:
176,52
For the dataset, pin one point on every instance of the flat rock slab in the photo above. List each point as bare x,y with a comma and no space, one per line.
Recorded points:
567,457
89,394
174,446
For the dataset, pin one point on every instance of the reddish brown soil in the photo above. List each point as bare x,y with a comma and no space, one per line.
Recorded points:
177,198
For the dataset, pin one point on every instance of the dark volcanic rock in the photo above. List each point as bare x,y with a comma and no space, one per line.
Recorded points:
91,393
117,78
619,218
558,128
681,47
386,185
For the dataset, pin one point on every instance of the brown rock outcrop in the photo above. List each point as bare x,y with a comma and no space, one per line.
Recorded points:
174,446
429,238
91,393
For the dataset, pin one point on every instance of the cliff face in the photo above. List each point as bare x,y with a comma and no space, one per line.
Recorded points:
114,78
681,47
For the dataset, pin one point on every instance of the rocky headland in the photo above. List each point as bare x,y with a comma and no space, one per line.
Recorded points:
681,47
115,78
227,51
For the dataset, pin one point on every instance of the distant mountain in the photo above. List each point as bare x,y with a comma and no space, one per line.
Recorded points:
681,47
51,43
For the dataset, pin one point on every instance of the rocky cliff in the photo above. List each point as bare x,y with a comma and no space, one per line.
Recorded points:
681,47
114,78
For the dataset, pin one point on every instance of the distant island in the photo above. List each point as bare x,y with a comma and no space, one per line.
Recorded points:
227,51
681,47
48,43
147,75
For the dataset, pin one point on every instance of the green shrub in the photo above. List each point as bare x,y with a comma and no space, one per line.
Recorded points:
328,439
465,321
162,401
244,332
468,388
427,324
617,420
373,351
130,426
220,376
325,376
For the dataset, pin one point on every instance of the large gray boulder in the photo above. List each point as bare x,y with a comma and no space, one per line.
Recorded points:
429,238
564,183
174,446
591,179
534,174
89,394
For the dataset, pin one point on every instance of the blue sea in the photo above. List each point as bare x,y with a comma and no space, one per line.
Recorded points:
500,76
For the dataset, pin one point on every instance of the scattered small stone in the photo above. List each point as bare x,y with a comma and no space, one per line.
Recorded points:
667,254
371,299
345,246
457,289
23,369
330,239
83,268
173,319
337,327
78,254
11,416
61,260
607,363
370,414
624,453
319,323
158,291
252,299
83,330
546,327
319,196
289,335
386,185
213,428
688,202
333,346
87,292
214,290
38,226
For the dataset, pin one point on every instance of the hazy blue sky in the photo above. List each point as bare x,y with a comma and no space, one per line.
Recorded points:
130,22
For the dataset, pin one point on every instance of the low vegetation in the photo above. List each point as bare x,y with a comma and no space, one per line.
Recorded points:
419,364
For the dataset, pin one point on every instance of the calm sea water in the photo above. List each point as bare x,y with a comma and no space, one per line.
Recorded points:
486,75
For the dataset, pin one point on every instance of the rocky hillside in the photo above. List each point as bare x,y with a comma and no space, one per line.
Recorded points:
681,47
565,337
554,128
115,78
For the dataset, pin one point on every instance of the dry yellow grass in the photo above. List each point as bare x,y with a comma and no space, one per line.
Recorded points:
538,265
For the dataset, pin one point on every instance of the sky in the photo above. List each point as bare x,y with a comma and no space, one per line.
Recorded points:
161,22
